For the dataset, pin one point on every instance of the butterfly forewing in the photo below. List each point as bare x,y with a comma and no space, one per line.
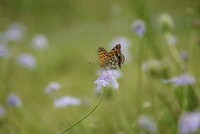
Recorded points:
111,60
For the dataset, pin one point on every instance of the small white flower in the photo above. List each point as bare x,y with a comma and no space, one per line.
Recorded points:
13,101
139,27
53,86
15,32
108,78
27,61
146,123
189,123
183,80
66,101
40,42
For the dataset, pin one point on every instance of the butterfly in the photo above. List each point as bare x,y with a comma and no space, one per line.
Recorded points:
111,60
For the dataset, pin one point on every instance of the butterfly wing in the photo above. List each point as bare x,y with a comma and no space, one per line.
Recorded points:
102,55
111,60
117,58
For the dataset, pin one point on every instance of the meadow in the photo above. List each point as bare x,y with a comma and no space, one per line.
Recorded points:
49,65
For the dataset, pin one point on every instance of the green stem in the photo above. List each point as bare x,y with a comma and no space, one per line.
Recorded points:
140,79
73,125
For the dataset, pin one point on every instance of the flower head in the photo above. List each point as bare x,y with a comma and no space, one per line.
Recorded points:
40,42
15,32
171,40
27,61
166,22
4,51
147,123
184,55
66,101
13,101
189,123
139,27
53,86
182,80
108,78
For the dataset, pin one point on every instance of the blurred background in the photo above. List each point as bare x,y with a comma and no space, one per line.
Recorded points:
48,65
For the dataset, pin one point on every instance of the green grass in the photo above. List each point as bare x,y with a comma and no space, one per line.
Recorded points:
75,30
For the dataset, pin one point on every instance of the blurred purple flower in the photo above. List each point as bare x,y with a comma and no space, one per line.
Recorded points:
40,42
13,101
183,80
146,123
184,55
27,61
189,123
125,43
66,101
139,27
108,78
15,32
2,112
4,51
53,86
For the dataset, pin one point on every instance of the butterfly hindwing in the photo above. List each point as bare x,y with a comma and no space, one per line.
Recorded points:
111,60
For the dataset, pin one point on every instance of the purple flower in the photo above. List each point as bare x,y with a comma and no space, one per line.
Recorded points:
2,112
40,42
53,86
183,80
189,123
15,32
66,101
184,55
27,61
108,78
4,51
13,101
139,27
146,123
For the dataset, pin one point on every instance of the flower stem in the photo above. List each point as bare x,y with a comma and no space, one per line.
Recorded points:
76,123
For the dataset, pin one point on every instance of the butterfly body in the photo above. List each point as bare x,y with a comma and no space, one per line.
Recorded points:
111,60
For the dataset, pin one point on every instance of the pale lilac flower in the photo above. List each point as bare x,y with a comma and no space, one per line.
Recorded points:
107,79
13,100
27,61
66,101
189,123
125,46
4,51
171,40
2,111
183,80
146,123
53,86
184,55
40,42
15,32
139,27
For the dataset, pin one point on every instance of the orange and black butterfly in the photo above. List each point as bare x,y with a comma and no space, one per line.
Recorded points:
111,60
